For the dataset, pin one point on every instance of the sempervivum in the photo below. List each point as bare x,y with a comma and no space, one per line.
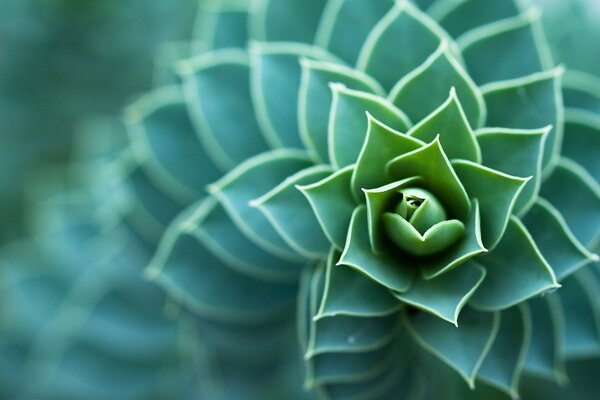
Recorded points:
406,156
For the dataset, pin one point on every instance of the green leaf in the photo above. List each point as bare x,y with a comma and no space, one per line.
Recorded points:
458,17
316,97
386,269
581,141
222,27
333,204
420,92
349,123
248,181
581,91
464,347
520,37
517,153
275,77
503,365
529,103
450,123
345,25
445,296
577,196
381,145
579,299
292,217
217,86
406,28
497,194
431,163
286,20
555,240
516,271
351,293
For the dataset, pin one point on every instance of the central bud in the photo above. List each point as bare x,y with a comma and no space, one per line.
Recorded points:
419,225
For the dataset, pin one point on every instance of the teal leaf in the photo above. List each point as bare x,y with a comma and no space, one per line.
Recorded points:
516,271
555,240
345,25
286,20
517,153
462,348
450,123
349,123
458,17
577,196
292,216
315,98
222,27
431,163
406,28
497,193
386,269
581,91
349,292
445,296
420,92
217,86
581,141
381,145
333,204
248,181
503,365
532,102
579,299
275,82
520,36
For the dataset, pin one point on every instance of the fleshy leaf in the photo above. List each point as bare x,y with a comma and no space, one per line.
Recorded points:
291,215
286,20
222,27
381,145
464,347
532,102
348,122
497,194
581,91
332,202
516,271
421,92
315,98
431,163
385,269
351,293
276,75
555,240
248,181
345,25
503,365
517,153
217,88
458,17
450,123
515,45
405,28
447,295
582,141
579,204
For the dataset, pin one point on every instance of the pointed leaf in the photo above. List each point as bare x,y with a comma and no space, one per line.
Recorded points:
348,122
333,204
497,194
517,153
316,96
581,141
516,271
464,347
529,103
450,123
447,295
250,180
382,144
406,28
385,269
516,36
292,216
461,16
217,87
421,92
